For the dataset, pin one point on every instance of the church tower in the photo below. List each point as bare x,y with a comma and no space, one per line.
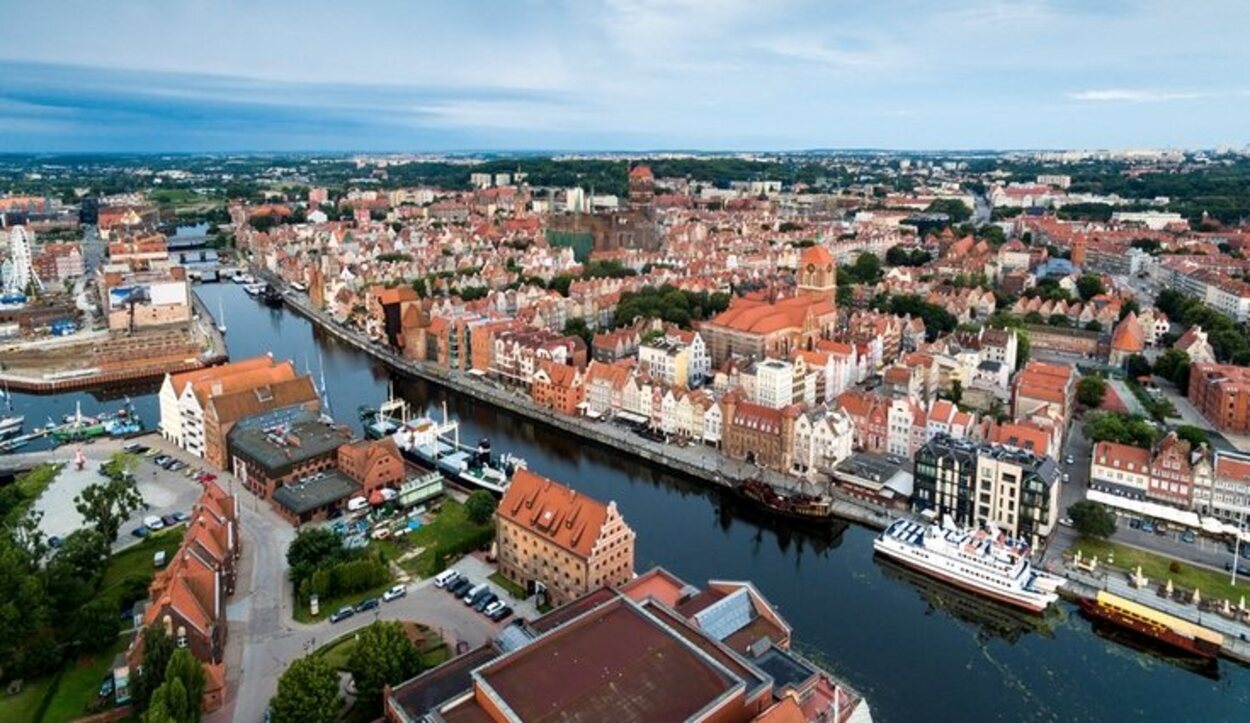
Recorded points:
818,274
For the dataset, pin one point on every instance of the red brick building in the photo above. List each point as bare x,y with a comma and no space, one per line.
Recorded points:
1221,392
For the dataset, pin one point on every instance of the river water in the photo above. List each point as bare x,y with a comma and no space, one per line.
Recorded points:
918,651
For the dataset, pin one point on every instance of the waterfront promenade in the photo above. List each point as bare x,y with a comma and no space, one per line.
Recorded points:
697,461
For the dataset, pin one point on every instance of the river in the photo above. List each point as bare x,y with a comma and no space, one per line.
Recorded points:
918,652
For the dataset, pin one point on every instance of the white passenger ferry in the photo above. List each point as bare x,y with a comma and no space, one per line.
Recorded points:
986,562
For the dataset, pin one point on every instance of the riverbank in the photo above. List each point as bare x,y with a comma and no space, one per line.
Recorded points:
698,462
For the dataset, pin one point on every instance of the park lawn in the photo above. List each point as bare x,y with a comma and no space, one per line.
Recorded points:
21,708
329,605
136,561
31,485
80,685
512,588
337,653
1212,584
449,530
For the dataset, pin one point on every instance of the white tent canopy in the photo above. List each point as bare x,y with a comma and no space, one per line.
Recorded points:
1147,509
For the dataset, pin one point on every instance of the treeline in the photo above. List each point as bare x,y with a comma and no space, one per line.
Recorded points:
670,304
321,565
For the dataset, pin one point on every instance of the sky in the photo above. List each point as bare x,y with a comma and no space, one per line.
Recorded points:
562,75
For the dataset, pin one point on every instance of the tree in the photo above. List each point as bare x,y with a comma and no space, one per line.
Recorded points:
1137,366
1113,427
1196,436
1173,365
1092,519
1089,286
1058,320
1130,306
184,681
96,625
168,704
1093,325
577,327
308,692
312,548
105,505
121,464
1034,317
1091,390
383,656
956,210
83,555
158,648
480,506
865,270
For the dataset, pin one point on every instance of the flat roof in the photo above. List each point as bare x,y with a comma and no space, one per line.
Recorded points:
615,664
280,446
439,685
317,492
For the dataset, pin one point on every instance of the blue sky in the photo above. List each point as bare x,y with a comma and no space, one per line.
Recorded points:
200,75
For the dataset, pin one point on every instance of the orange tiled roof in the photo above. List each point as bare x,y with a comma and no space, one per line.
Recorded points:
554,512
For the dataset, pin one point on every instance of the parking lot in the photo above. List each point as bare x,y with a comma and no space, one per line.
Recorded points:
165,492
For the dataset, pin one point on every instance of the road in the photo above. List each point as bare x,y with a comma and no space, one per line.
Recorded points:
981,211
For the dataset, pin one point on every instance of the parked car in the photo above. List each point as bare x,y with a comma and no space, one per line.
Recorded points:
158,559
54,542
1069,459
477,593
460,587
1147,526
394,593
1189,536
445,578
106,686
1067,478
140,531
152,522
1066,521
490,609
175,465
367,604
160,459
169,520
501,614
1241,569
134,448
1134,523
343,613
181,516
485,602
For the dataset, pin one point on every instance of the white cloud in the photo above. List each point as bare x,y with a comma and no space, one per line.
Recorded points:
1127,95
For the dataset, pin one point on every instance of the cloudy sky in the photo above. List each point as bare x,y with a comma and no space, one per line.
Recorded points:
197,75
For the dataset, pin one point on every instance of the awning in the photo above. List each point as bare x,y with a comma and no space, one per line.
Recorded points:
1147,509
631,417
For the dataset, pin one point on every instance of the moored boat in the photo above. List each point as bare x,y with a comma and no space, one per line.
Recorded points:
984,561
1157,625
271,296
797,505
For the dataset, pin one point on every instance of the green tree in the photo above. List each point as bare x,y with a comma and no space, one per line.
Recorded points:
1093,325
1092,519
1089,286
168,704
308,692
105,505
1197,436
311,549
1114,427
1137,366
1058,320
120,464
956,210
83,555
1034,317
865,270
158,648
480,506
96,625
1091,390
383,656
184,675
1173,365
577,327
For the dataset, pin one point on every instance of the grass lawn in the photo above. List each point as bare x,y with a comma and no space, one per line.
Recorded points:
80,685
136,561
1212,584
21,708
30,487
337,653
329,605
449,530
512,588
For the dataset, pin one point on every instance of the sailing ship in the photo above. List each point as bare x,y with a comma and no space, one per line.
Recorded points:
796,505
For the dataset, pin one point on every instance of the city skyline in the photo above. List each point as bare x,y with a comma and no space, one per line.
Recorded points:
628,75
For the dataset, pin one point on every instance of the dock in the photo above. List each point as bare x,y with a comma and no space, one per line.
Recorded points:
697,462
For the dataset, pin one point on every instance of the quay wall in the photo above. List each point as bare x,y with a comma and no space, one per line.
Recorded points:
700,464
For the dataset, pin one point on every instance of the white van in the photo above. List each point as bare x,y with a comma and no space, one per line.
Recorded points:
473,591
446,576
356,504
158,560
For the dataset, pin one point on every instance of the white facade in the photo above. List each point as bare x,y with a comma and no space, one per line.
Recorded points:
774,383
